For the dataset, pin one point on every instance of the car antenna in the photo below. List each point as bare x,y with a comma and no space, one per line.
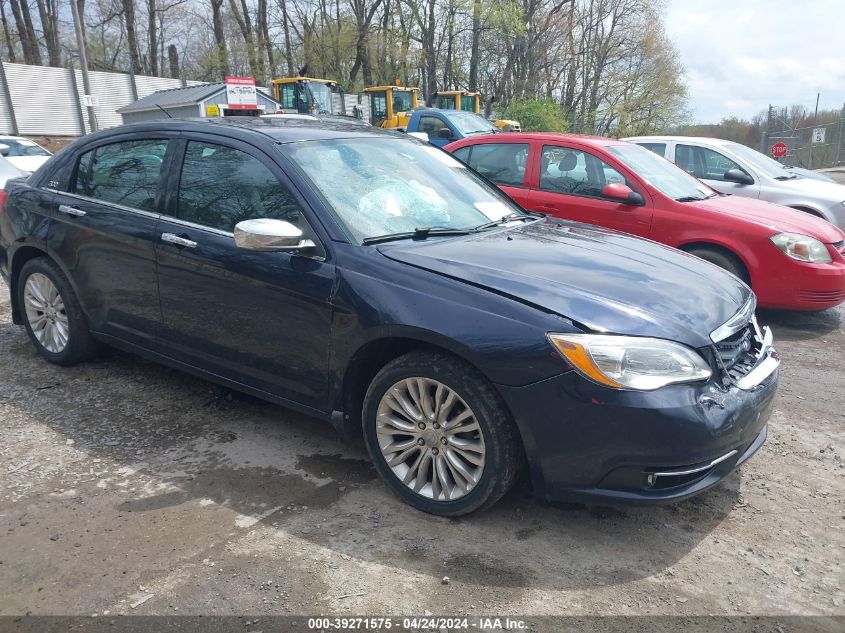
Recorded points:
169,116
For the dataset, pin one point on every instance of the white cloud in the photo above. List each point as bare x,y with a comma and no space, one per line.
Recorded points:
740,57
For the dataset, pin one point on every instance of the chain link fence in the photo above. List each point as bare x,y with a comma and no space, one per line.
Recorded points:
813,146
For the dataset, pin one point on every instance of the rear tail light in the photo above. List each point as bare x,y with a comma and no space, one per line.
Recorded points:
4,195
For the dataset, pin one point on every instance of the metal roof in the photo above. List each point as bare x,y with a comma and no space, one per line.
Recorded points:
176,97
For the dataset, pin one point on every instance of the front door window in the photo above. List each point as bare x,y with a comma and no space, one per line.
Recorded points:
576,172
221,186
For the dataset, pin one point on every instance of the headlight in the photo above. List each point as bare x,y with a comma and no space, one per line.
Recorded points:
631,362
801,247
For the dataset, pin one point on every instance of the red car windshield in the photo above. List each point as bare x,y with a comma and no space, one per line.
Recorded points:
660,173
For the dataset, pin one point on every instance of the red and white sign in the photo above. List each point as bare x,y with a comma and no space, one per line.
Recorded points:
779,150
241,93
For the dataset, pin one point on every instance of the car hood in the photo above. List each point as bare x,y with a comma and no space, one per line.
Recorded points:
602,280
28,163
819,189
777,217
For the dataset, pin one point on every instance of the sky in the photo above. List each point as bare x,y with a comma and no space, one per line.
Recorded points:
742,55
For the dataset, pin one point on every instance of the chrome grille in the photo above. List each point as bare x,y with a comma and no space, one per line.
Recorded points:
739,353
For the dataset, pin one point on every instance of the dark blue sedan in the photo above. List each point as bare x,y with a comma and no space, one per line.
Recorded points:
374,281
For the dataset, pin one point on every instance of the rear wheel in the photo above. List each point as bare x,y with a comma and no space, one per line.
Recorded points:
440,435
723,260
52,315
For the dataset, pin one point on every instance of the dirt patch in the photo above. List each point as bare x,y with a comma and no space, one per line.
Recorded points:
122,479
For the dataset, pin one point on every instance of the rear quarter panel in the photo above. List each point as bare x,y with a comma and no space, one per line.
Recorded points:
24,230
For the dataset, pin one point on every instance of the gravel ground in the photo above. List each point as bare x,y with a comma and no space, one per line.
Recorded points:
131,488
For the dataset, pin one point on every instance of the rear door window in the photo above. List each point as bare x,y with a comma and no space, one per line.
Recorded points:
125,173
503,163
703,162
657,148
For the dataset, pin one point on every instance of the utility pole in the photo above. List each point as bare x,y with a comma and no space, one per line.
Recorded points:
83,62
815,121
839,144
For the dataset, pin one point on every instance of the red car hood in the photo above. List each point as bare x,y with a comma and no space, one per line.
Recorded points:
779,218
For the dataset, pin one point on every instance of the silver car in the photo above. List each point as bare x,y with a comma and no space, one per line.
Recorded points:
8,171
733,168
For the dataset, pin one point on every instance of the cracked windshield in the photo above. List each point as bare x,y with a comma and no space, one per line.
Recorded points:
382,186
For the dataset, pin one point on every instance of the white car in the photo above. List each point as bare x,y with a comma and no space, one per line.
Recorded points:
732,168
24,154
9,171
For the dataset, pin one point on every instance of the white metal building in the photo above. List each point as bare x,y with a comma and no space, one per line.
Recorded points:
193,101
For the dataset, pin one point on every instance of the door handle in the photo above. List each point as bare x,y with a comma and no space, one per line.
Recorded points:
171,238
72,211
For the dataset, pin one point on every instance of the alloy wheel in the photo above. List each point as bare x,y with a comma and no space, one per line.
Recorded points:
45,312
430,438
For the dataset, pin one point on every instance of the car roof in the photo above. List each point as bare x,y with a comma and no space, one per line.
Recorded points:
585,139
279,130
690,139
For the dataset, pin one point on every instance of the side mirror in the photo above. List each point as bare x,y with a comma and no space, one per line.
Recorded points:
623,193
4,149
738,176
265,234
445,132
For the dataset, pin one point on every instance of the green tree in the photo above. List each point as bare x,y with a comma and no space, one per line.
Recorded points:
536,115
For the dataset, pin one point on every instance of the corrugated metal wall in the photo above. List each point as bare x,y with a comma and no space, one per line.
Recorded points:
350,100
148,85
114,90
47,101
7,125
44,100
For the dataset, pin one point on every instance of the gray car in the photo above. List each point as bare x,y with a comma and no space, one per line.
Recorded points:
8,171
729,167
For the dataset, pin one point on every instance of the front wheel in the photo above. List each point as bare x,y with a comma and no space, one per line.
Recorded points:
726,261
440,435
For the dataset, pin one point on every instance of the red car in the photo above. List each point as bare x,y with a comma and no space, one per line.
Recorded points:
791,259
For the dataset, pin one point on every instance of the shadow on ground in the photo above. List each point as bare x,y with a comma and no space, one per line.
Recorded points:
791,325
291,473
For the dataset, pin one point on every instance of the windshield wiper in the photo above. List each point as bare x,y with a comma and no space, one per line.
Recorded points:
504,220
691,199
420,233
788,177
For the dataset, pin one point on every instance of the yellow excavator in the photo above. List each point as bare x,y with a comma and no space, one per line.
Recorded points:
471,102
307,95
391,106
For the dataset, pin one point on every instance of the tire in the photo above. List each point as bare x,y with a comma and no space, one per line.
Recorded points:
726,261
812,212
52,315
477,434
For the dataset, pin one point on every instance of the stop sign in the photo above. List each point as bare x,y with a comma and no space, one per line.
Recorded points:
779,150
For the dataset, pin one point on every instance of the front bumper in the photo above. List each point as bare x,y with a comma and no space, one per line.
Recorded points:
802,286
585,442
